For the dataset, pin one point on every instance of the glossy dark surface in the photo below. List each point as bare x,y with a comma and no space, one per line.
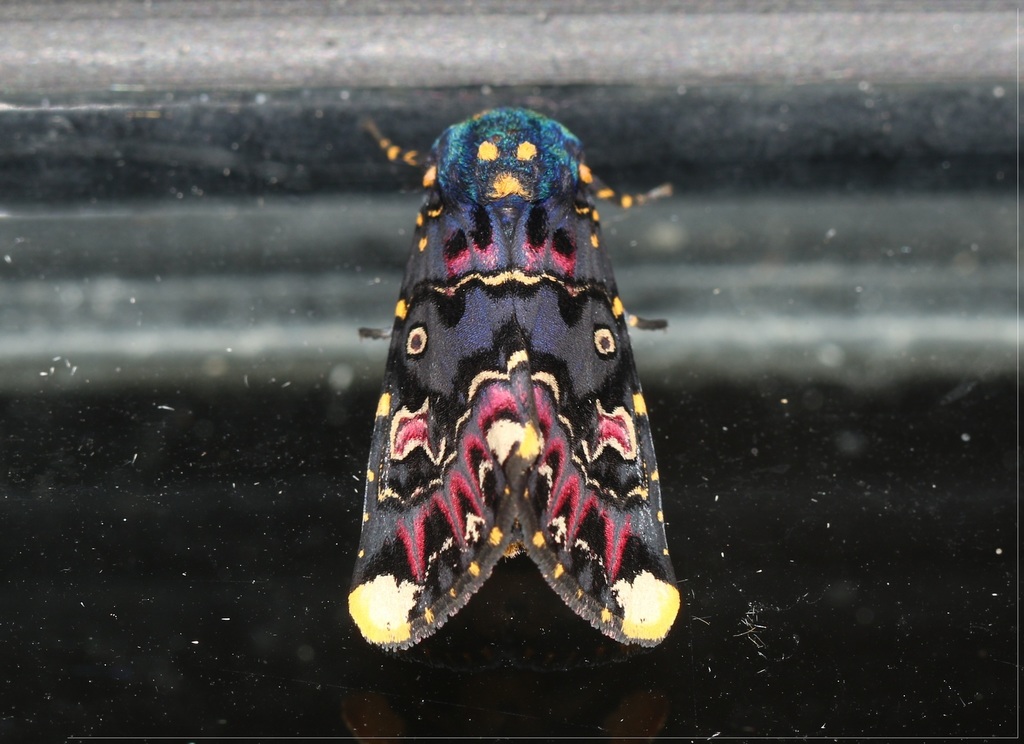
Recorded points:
185,570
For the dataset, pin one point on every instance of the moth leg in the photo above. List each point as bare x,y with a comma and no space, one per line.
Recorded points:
606,192
376,334
646,324
393,151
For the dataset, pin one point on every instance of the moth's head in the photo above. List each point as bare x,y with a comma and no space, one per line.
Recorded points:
507,155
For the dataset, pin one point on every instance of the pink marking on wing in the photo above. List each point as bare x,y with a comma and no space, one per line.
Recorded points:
413,545
613,431
449,507
412,432
615,536
496,401
487,256
564,265
578,508
459,264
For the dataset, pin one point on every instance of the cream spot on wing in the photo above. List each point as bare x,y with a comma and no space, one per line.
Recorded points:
649,606
381,609
502,436
474,528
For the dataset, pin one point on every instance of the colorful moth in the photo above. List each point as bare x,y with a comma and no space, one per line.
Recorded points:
511,418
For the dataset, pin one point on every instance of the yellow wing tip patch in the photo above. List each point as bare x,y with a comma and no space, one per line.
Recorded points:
639,404
381,609
617,308
371,476
401,309
649,607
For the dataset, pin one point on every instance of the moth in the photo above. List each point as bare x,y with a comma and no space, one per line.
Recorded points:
511,418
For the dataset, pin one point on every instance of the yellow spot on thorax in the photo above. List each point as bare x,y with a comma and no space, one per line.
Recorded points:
487,151
538,539
617,308
639,404
526,151
401,310
505,184
495,537
430,177
384,404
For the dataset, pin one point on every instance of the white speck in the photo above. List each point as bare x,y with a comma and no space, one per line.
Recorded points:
195,643
965,437
999,551
165,408
999,91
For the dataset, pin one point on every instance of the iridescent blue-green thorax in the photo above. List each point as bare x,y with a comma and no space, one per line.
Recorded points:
508,154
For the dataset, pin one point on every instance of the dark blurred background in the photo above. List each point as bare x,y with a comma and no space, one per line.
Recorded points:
193,226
